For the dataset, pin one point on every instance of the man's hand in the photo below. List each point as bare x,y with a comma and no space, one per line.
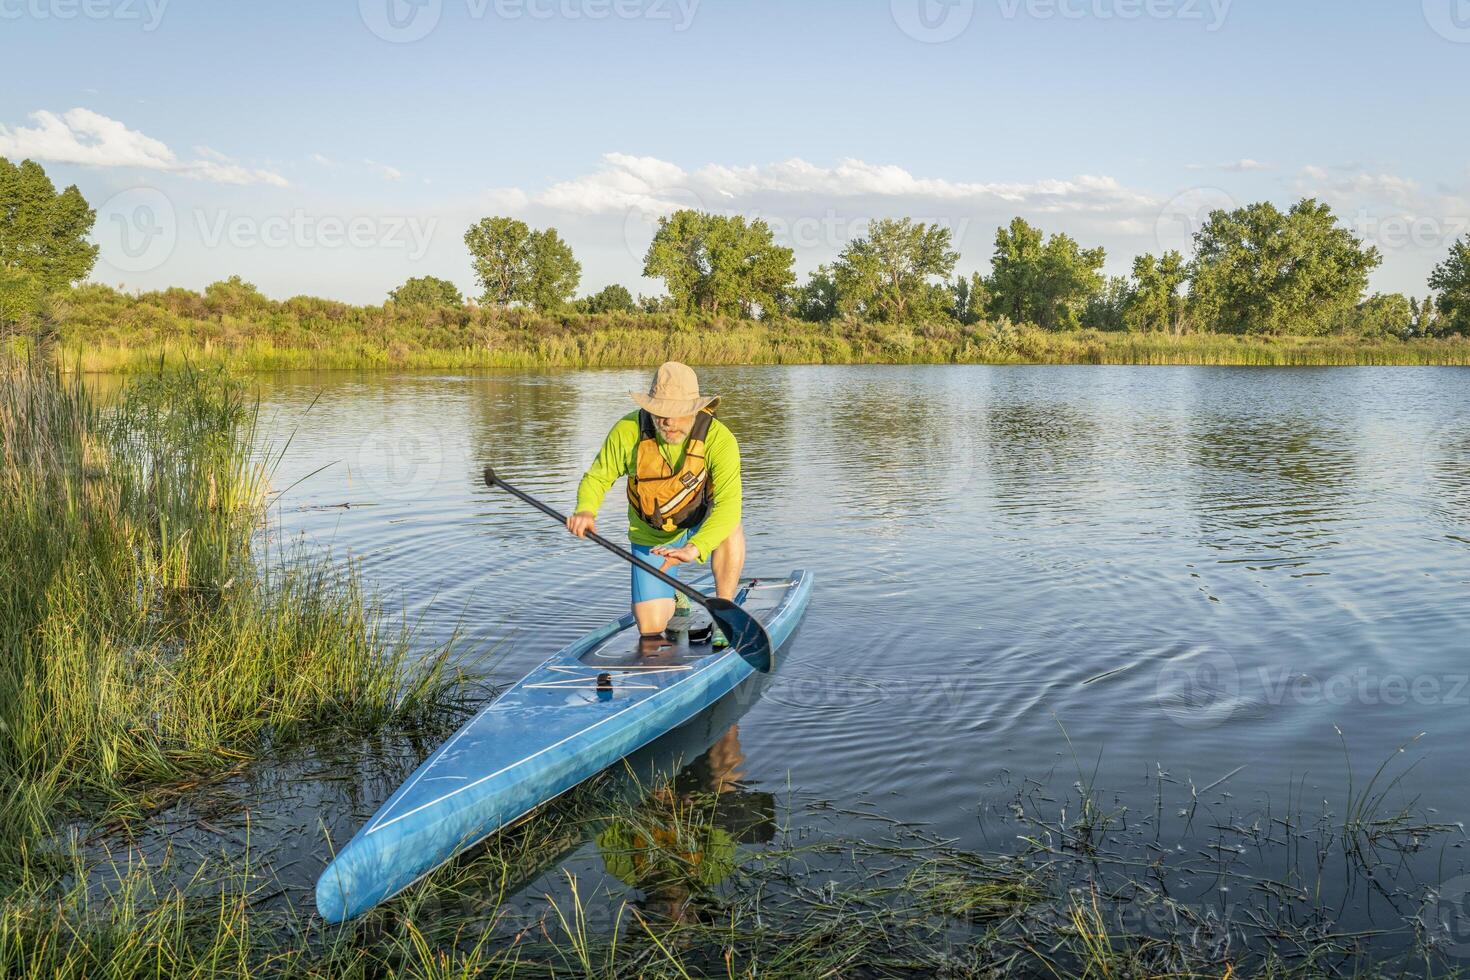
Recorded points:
581,522
676,556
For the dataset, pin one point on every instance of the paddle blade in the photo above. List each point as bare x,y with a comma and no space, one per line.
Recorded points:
490,480
744,631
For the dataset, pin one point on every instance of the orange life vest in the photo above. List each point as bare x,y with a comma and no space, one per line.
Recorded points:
668,501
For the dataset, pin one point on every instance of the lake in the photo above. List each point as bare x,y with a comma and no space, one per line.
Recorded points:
1243,588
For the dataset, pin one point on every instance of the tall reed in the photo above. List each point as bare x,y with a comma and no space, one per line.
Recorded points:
145,646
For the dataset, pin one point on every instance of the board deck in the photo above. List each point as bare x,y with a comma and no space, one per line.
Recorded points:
580,711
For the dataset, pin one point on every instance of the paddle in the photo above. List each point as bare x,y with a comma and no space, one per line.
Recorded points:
746,635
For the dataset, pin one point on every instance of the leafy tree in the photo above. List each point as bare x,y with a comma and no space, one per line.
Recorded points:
427,291
1381,315
20,297
554,272
515,264
890,275
1451,280
233,296
1155,303
611,299
716,264
657,304
817,300
970,298
1105,308
43,239
1047,283
43,233
1258,270
1423,318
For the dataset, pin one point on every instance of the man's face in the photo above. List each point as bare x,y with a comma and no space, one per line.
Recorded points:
673,429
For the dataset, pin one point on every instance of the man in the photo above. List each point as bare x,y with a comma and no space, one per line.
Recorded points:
683,471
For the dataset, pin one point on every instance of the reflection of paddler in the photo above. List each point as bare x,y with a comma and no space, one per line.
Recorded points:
654,858
651,858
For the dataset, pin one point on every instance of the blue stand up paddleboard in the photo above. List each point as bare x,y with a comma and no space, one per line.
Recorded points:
599,699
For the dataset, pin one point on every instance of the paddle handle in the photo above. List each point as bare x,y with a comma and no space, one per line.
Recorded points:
491,480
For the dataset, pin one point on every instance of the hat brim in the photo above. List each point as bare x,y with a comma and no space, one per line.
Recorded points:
671,408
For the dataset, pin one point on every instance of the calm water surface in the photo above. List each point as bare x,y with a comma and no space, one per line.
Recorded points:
1022,573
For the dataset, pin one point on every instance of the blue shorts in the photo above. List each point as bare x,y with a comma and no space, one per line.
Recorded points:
647,587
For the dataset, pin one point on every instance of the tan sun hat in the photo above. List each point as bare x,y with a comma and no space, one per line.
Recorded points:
674,392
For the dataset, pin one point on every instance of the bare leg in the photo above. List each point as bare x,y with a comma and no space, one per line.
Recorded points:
653,615
729,561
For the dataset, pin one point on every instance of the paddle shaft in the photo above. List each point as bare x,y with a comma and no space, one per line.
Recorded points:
622,553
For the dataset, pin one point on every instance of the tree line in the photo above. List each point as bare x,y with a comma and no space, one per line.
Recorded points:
1254,270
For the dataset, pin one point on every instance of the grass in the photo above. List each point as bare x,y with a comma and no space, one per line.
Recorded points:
147,648
871,900
98,329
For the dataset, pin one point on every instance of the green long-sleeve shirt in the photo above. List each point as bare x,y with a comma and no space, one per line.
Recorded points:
618,457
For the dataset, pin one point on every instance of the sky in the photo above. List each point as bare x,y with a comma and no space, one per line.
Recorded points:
336,148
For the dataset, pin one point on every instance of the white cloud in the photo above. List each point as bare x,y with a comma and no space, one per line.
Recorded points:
85,137
626,182
1245,165
322,161
90,139
1358,188
385,171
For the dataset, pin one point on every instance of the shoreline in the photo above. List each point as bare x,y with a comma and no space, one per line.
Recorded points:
646,349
